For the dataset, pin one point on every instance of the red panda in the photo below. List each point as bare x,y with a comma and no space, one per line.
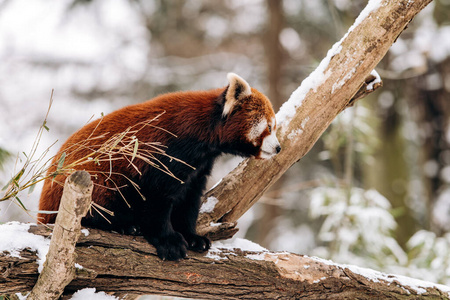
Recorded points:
157,193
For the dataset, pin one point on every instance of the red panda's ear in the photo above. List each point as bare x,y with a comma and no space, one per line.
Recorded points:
238,89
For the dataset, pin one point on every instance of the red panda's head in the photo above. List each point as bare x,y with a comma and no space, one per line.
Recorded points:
249,127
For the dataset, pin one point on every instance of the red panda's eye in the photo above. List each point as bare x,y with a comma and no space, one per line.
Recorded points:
270,129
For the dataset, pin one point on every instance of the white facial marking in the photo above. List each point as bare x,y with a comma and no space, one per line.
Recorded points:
257,130
270,143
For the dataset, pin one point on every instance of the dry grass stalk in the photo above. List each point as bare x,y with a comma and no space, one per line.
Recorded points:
120,146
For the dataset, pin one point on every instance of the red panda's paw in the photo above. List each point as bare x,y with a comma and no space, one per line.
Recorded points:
131,230
170,247
197,243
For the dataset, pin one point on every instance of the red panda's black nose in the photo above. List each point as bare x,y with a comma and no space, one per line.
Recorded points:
278,149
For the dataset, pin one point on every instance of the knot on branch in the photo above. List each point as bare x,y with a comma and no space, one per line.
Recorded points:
370,85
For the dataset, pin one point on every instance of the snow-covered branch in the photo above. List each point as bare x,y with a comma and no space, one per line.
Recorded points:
121,265
124,264
344,75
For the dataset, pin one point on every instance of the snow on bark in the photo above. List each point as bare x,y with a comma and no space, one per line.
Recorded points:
318,76
14,237
237,270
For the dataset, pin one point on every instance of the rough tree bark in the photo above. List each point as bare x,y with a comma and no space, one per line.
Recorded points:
127,264
360,51
59,267
123,265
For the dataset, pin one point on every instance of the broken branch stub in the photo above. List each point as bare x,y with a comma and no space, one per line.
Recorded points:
59,267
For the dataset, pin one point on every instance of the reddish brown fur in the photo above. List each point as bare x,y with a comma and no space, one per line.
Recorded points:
157,192
128,116
195,111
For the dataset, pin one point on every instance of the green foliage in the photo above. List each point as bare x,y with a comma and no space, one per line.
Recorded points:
3,156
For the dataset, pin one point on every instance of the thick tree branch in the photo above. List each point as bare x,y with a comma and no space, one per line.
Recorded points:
128,265
125,264
345,71
59,267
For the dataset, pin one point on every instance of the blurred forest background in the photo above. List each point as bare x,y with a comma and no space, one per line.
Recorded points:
374,191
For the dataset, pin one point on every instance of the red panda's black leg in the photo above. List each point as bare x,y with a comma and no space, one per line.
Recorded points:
185,224
184,218
157,229
169,247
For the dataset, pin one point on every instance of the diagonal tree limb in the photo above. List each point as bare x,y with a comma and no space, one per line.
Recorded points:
332,87
125,264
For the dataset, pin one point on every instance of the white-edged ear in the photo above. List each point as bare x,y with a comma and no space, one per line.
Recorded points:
238,89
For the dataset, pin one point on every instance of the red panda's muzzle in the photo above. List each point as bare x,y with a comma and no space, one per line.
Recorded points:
270,146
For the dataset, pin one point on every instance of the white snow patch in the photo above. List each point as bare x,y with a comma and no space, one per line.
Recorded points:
90,294
294,133
214,254
212,224
371,6
318,76
236,243
14,237
22,297
209,205
319,280
85,232
338,85
78,266
419,286
303,124
258,256
376,80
